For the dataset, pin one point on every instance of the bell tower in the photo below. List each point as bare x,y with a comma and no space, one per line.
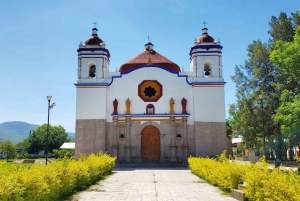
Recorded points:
206,59
208,94
91,88
93,60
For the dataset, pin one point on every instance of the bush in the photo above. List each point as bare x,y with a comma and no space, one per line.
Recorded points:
63,153
276,184
261,183
298,160
24,154
219,171
56,180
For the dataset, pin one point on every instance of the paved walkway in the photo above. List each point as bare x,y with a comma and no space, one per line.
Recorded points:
153,184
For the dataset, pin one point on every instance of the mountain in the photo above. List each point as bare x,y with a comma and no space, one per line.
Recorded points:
71,135
18,127
17,131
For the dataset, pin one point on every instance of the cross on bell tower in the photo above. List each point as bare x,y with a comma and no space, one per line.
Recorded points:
95,24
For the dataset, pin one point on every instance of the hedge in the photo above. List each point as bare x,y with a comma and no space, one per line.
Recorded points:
262,184
56,180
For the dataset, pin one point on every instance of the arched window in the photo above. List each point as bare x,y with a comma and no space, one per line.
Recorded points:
150,109
207,69
92,71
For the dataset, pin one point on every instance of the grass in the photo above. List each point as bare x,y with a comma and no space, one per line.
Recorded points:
10,166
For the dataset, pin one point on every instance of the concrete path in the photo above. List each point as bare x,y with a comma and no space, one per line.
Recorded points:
176,184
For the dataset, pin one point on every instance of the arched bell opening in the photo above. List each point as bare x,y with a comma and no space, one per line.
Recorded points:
207,69
92,71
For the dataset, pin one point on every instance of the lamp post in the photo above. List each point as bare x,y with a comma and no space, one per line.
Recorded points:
47,137
263,123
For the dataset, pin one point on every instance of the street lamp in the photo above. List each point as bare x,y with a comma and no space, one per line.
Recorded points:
263,123
49,107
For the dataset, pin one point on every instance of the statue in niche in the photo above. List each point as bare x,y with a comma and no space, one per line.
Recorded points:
150,109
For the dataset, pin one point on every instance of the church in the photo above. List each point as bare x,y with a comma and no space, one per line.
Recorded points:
149,109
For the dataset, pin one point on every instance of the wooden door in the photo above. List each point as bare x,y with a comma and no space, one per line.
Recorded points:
150,143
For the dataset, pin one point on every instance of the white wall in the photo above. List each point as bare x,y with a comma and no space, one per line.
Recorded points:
91,103
209,104
127,87
204,103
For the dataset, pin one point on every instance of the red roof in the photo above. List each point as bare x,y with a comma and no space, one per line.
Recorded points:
156,59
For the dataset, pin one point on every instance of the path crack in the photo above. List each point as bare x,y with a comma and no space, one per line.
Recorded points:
154,181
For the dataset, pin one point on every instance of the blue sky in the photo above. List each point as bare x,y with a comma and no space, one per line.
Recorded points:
39,40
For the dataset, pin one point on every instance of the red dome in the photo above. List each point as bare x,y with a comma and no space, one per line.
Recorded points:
142,59
205,38
94,39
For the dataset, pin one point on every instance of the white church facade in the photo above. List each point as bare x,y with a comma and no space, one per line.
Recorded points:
150,110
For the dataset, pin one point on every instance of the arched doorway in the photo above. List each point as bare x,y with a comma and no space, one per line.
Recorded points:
150,143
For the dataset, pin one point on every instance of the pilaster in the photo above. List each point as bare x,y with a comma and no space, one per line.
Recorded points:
127,144
172,136
139,151
162,148
115,137
185,145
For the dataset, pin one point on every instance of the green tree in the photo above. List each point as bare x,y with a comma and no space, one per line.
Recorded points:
8,148
36,143
229,132
38,138
282,28
286,56
229,138
24,144
260,76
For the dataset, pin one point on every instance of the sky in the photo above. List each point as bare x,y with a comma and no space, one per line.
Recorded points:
39,42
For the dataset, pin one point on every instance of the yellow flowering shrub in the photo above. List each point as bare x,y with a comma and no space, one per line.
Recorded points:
269,185
298,160
217,171
56,180
262,184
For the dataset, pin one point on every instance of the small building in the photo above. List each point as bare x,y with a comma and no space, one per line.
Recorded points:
68,145
236,142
